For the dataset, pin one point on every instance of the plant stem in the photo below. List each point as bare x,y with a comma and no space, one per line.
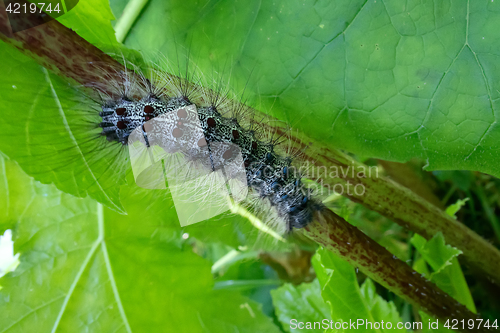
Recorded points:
245,284
231,257
59,49
404,207
345,240
128,18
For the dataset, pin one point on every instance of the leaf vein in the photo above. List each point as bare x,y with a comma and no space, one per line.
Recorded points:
72,137
116,294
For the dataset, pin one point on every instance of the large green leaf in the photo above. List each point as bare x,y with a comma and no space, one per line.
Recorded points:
86,268
49,128
339,288
388,79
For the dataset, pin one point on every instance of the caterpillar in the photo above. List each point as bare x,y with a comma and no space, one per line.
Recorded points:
96,162
223,136
84,136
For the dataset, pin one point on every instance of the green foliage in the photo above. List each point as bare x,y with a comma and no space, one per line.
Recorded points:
447,273
380,309
87,268
340,289
47,146
454,208
91,19
302,303
435,251
378,78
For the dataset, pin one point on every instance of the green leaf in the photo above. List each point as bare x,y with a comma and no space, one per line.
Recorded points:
340,289
447,272
454,208
378,78
451,279
435,251
443,260
51,141
91,19
16,191
86,268
302,303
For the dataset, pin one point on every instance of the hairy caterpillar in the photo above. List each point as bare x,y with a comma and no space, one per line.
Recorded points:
70,150
268,170
82,132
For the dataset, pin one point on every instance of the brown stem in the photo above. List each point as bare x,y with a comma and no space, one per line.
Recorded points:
63,51
345,240
405,174
411,211
58,49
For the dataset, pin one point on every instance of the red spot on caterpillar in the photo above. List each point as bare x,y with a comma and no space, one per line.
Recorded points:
120,111
148,118
121,125
236,134
182,113
211,122
149,109
177,132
